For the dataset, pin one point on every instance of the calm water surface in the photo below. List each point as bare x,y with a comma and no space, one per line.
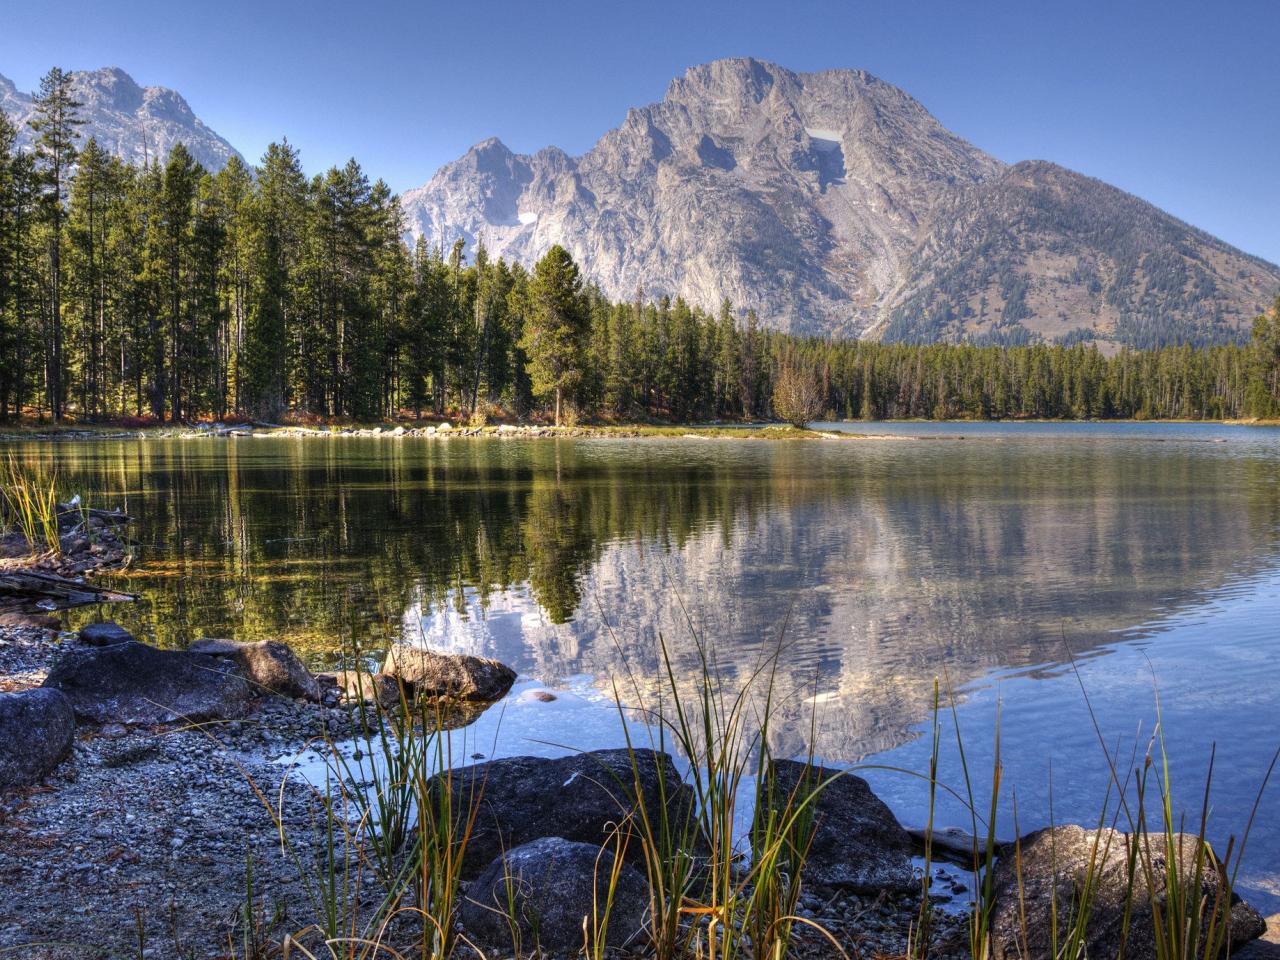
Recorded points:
988,554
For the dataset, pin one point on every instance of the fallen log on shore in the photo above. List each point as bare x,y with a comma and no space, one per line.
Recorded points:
20,586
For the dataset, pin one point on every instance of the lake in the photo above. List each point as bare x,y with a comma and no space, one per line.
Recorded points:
1028,565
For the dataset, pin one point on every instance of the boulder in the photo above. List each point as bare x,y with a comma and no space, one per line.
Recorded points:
453,676
582,797
858,844
1054,863
547,889
136,684
36,728
104,634
267,664
381,688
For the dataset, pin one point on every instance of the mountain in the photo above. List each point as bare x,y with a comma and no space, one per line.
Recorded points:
134,123
835,203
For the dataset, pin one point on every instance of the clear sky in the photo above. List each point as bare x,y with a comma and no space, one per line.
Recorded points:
1176,101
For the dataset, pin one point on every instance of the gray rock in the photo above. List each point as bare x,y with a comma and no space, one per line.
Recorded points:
581,797
549,887
267,664
453,676
1055,862
36,729
858,844
382,688
104,634
1266,947
136,684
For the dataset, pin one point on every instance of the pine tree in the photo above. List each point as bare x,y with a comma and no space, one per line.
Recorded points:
87,285
12,225
234,186
555,329
277,217
1263,391
55,122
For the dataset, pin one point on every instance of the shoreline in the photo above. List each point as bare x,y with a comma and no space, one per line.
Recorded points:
443,430
140,840
149,828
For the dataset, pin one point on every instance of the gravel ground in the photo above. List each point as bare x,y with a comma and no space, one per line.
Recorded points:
137,844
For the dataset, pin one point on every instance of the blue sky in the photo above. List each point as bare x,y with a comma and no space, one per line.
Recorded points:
1178,102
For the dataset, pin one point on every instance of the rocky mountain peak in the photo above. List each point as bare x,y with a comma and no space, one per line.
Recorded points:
136,123
833,202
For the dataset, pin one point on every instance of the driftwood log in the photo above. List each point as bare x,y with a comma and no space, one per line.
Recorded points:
105,517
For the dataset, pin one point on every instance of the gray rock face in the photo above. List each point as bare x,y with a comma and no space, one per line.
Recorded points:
104,634
834,202
858,844
36,729
135,684
580,797
1056,861
131,122
267,664
549,887
453,676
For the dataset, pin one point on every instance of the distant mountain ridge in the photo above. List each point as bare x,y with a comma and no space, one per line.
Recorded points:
834,203
830,203
132,122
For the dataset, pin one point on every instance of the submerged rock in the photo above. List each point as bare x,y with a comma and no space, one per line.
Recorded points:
268,664
581,797
549,888
858,844
104,634
951,843
1053,864
135,684
453,676
36,729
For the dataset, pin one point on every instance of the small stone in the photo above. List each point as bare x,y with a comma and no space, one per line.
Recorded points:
104,634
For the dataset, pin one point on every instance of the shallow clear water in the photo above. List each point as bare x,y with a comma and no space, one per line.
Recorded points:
988,554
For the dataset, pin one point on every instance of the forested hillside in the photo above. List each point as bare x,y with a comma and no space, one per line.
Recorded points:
170,293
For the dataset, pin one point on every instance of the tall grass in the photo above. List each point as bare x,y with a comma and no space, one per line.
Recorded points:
1162,870
392,839
713,892
725,875
30,499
